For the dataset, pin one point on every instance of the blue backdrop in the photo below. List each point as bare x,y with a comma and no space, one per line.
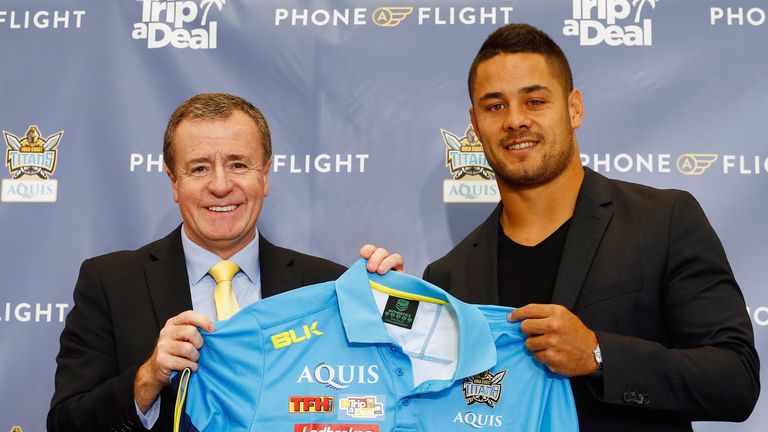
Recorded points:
367,103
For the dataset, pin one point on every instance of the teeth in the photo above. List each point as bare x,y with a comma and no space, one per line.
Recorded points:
521,146
222,209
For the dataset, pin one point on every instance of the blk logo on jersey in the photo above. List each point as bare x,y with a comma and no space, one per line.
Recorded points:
310,404
284,339
484,388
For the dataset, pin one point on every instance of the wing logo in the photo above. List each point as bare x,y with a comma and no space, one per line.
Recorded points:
390,16
695,163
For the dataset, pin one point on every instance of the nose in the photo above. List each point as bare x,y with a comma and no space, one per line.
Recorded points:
517,118
220,184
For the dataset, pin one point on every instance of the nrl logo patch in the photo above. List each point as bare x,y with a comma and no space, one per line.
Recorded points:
483,388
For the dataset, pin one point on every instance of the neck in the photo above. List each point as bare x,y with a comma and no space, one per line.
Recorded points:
533,213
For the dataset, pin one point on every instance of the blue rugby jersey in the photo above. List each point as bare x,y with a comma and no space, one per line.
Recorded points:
340,356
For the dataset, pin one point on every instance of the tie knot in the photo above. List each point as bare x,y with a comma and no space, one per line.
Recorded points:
224,271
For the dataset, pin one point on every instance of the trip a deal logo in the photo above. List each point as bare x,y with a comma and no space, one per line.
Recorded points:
473,180
611,22
178,23
31,160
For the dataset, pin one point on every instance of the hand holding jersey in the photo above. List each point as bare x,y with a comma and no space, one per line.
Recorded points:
558,338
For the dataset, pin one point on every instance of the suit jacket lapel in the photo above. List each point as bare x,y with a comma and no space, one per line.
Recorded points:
277,271
590,218
167,278
481,273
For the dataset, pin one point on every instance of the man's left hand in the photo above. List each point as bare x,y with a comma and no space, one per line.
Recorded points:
380,260
557,338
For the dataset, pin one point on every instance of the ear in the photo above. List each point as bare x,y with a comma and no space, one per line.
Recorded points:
174,183
575,108
267,169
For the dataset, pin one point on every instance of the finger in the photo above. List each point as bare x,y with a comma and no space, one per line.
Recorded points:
532,310
193,318
535,327
168,352
392,262
367,250
537,343
376,258
188,333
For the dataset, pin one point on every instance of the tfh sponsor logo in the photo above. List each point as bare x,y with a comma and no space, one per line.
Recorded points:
611,22
181,24
310,404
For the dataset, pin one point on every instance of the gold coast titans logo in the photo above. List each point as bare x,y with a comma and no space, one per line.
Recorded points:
31,155
484,388
464,156
31,160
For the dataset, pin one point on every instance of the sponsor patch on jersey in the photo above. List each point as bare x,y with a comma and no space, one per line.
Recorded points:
400,312
310,404
369,407
335,427
338,377
484,388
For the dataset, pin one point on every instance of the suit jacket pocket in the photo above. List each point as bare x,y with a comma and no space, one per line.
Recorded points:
611,291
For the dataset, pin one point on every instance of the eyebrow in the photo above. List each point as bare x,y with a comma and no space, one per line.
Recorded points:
524,90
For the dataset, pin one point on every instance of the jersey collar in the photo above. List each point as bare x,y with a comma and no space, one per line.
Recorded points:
363,324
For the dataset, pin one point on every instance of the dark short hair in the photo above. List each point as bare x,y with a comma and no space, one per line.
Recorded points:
522,38
213,106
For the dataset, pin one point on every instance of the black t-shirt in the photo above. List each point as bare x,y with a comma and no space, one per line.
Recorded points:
527,274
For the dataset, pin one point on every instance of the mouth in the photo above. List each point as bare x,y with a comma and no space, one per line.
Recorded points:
520,145
222,209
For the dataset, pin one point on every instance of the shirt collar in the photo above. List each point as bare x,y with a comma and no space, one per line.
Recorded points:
199,260
363,324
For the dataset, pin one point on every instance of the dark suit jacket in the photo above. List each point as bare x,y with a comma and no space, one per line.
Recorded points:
122,300
644,269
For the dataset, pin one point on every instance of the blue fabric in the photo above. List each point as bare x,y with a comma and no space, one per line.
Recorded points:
328,340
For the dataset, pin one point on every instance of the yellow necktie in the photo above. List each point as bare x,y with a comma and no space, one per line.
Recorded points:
223,295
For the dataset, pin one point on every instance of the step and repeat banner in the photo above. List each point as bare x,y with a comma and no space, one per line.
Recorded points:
367,102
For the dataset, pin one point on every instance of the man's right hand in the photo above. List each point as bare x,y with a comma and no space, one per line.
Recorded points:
177,348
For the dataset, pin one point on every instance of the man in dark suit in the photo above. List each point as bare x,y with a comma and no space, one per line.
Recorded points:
622,287
113,368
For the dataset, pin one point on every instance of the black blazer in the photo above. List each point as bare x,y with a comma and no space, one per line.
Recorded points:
122,300
644,269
